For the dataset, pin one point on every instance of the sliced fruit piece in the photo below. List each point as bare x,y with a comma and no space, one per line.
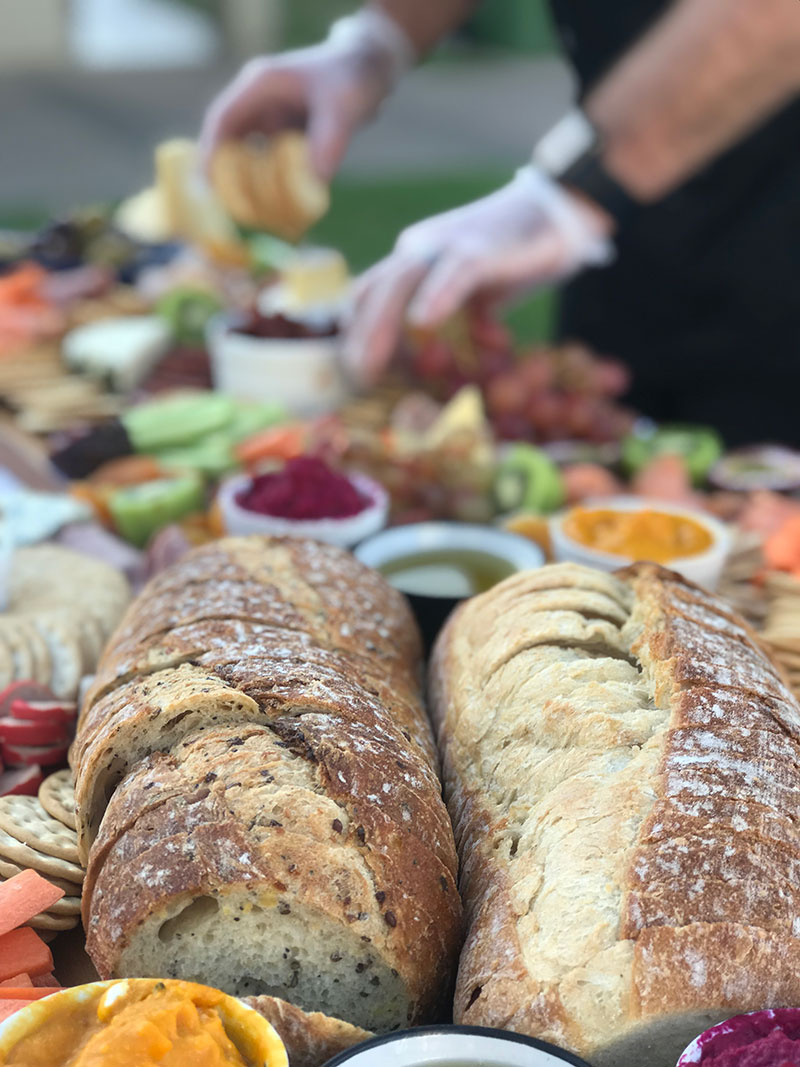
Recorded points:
21,781
15,755
23,692
47,732
52,710
528,480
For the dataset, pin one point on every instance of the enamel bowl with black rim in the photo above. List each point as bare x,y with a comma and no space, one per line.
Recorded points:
455,1046
439,564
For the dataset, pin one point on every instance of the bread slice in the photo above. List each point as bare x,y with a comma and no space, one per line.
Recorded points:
256,870
144,717
311,1038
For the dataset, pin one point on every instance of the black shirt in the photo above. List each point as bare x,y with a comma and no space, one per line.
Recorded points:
704,299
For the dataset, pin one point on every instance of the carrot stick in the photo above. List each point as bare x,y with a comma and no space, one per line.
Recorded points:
23,993
11,1007
22,897
23,951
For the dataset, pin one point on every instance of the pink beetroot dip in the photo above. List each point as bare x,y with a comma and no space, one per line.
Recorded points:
760,1039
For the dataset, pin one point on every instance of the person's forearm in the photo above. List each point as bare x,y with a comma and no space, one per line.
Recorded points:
426,22
705,75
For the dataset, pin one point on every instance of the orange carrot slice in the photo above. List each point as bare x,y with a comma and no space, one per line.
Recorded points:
24,993
23,951
22,897
17,982
10,1007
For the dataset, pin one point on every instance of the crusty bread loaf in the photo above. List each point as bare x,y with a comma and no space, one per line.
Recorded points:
621,765
260,794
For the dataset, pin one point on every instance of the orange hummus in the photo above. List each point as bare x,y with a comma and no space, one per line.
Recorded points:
646,534
175,1024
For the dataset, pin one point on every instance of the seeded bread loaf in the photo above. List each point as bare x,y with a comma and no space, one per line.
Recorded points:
621,766
258,795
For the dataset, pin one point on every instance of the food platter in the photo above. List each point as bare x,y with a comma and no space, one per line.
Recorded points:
253,795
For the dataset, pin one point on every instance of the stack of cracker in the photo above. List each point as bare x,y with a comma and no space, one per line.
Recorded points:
38,833
781,630
61,607
736,585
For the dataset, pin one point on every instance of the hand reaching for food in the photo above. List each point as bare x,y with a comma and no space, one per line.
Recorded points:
531,232
329,90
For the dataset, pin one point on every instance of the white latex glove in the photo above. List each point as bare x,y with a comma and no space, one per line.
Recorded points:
531,232
329,89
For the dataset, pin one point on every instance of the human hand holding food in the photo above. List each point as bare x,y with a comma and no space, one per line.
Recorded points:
329,89
531,232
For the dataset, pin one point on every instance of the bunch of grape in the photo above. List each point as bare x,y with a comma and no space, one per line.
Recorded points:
547,393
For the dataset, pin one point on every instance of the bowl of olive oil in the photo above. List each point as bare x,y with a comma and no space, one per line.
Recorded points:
455,1046
438,564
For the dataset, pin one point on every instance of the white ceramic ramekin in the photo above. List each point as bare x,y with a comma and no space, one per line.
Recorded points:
704,568
304,375
345,533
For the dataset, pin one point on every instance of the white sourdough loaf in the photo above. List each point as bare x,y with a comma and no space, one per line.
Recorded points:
257,792
621,766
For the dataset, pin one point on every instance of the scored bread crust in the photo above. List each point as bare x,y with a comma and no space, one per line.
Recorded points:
624,887
255,750
280,583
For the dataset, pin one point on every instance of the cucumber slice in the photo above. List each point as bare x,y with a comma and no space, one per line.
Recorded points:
249,419
139,511
177,420
212,457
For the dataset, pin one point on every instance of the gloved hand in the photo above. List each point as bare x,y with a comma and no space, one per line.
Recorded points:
329,89
531,232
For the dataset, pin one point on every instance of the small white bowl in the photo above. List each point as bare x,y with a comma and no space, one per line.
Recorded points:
345,533
250,1030
704,568
304,375
444,1046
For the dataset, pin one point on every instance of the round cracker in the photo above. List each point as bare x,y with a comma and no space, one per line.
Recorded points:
55,923
8,870
57,797
25,819
42,660
66,907
6,664
24,856
13,634
65,651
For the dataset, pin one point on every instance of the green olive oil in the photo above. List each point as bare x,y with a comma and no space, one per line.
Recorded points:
452,573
